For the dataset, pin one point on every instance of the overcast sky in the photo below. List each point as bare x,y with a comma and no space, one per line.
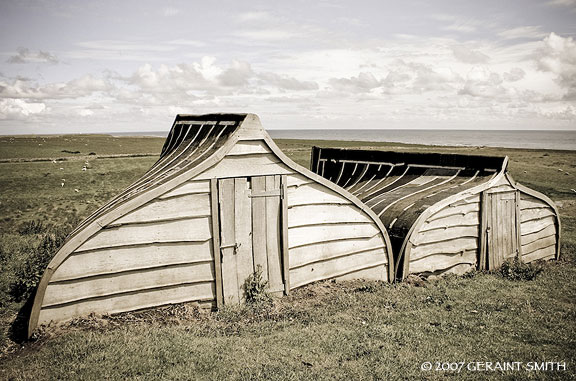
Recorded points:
111,66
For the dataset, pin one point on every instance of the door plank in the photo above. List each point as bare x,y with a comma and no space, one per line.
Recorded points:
227,241
272,236
259,226
243,231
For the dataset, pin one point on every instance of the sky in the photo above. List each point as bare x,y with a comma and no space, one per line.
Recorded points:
123,66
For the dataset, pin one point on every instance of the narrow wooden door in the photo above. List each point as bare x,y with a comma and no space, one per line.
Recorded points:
501,231
251,233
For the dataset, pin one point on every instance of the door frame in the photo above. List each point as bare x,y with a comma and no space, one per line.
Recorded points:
216,244
484,233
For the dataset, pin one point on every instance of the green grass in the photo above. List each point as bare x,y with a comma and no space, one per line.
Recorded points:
347,330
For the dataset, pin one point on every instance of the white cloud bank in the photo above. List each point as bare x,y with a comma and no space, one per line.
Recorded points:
436,82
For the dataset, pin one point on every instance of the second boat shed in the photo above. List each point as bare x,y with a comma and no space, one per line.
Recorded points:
446,213
221,201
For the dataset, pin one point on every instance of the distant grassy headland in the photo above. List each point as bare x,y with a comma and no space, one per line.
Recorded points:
344,330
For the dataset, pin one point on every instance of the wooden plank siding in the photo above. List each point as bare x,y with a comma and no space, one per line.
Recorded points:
160,253
538,228
448,240
330,237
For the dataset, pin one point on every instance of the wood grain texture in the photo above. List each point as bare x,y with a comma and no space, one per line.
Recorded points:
433,263
300,256
249,148
296,180
226,201
273,234
284,236
546,232
537,225
336,267
539,244
194,229
372,273
454,246
325,214
544,253
246,165
259,226
107,285
189,187
444,235
535,214
307,235
313,194
185,206
243,231
455,210
461,219
130,301
114,260
217,255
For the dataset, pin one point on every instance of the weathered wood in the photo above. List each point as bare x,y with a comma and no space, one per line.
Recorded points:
544,253
226,201
243,231
335,267
537,225
436,262
130,301
467,219
246,165
313,194
186,206
502,243
273,234
546,232
450,211
372,273
195,229
107,285
325,214
535,214
297,180
249,148
529,202
484,232
454,246
259,226
307,235
504,188
517,217
325,250
114,260
189,187
444,235
284,237
214,209
473,199
539,244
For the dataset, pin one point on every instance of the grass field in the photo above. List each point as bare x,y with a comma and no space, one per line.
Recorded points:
347,330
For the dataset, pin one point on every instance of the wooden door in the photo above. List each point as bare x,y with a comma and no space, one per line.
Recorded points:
252,233
500,227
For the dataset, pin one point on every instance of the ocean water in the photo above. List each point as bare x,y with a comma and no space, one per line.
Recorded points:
540,139
561,140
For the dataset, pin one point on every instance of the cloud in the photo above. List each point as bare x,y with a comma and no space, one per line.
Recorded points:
363,82
467,55
236,75
25,56
76,88
558,56
14,109
530,32
286,82
515,74
253,16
